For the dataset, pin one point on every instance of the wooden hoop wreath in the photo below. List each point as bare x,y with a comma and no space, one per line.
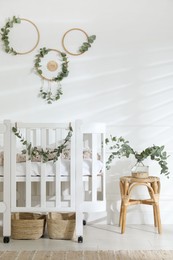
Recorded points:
46,93
63,41
64,71
5,35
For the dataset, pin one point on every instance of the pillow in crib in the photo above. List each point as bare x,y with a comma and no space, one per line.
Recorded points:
87,154
20,157
65,153
36,158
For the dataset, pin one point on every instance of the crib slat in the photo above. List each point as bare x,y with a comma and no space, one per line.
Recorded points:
58,136
58,185
13,171
43,171
94,167
72,174
28,173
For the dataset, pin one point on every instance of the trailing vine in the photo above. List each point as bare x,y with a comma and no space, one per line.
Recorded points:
34,152
86,45
48,95
5,34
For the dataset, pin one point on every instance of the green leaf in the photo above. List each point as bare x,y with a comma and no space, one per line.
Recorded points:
91,38
39,72
18,20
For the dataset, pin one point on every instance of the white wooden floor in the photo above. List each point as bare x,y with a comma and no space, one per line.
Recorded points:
102,237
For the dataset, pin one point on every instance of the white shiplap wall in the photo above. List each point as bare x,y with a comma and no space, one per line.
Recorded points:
124,80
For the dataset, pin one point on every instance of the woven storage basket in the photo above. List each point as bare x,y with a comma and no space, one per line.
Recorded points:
27,225
61,225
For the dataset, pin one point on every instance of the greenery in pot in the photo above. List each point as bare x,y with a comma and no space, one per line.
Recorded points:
121,148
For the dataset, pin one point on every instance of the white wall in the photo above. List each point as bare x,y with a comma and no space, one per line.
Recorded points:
124,80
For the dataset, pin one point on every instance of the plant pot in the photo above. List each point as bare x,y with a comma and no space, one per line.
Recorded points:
140,171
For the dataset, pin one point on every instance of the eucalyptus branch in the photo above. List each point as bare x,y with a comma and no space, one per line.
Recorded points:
44,154
5,34
86,45
49,97
122,148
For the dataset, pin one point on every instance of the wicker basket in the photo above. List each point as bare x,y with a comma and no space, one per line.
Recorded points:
61,225
27,225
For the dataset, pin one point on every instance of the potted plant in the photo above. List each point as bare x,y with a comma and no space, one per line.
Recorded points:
121,148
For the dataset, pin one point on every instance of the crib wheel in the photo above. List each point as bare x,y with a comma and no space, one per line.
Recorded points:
80,239
6,240
84,222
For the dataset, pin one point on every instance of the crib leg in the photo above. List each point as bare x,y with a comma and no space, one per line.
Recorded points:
80,239
6,240
79,226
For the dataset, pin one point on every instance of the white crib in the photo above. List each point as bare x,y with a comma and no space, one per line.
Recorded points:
70,184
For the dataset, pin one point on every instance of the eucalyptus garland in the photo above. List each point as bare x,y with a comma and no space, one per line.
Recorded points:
86,45
34,152
5,34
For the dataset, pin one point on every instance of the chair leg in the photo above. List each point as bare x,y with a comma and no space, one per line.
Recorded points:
124,212
155,216
158,219
120,216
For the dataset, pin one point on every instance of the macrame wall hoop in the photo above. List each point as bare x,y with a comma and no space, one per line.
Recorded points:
50,92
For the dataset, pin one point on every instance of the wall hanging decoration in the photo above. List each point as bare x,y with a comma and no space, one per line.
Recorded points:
5,33
52,66
82,48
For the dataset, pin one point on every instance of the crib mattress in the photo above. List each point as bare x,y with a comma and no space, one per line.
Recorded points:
50,168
